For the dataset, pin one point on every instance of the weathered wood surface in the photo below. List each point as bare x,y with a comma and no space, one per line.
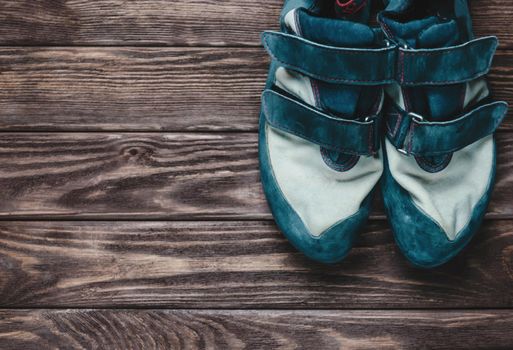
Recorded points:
179,176
101,96
197,329
153,89
154,176
131,88
236,265
179,22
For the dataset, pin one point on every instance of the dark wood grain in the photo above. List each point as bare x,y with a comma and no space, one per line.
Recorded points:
241,265
493,18
154,176
73,147
149,22
154,89
130,88
179,22
195,329
179,176
501,82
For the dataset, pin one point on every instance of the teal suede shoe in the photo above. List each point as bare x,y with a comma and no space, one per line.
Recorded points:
320,155
439,125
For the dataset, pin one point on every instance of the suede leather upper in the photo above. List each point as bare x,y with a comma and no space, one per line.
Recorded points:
321,107
385,65
321,125
450,65
433,131
422,240
334,244
338,65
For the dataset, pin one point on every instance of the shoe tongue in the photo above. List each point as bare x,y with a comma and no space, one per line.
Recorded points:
339,32
427,33
439,35
348,29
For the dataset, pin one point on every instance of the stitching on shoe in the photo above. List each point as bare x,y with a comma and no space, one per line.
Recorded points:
397,123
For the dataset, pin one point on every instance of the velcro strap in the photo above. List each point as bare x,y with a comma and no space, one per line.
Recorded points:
411,134
450,65
299,119
408,67
332,64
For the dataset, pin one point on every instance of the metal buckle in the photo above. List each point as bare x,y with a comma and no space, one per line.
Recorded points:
417,118
374,124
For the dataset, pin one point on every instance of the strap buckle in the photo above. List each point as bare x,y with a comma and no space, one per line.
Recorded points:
416,118
412,134
375,120
343,135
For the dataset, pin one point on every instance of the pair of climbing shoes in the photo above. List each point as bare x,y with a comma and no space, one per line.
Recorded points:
348,105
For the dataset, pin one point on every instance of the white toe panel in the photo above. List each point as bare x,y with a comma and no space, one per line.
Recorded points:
321,196
449,196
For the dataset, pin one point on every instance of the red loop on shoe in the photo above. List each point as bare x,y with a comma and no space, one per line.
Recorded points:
351,7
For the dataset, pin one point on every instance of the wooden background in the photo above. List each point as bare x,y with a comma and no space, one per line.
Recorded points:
131,213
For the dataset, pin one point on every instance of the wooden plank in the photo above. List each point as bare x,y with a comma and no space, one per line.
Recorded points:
501,82
179,176
153,176
130,88
153,89
179,22
197,329
149,22
236,265
493,18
